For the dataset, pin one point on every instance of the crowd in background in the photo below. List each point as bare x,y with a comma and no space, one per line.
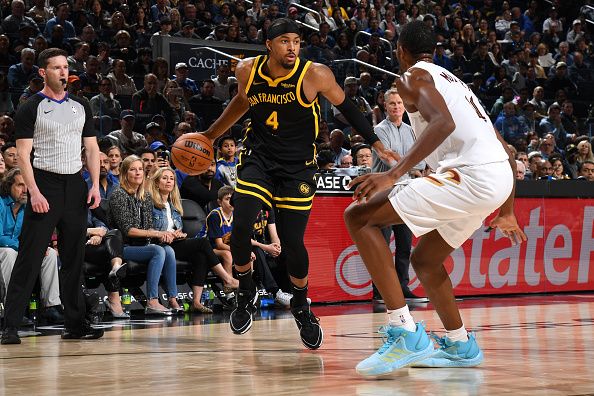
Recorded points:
530,63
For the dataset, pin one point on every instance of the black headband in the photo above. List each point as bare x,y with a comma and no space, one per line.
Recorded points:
282,28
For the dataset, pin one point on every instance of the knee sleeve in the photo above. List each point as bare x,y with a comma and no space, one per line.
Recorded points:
245,211
291,229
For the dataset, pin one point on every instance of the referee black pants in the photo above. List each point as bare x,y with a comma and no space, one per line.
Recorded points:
66,196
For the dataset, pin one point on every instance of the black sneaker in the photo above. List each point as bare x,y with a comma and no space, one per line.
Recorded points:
241,317
85,332
54,315
310,330
10,335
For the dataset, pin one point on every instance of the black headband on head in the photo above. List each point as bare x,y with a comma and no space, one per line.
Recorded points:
280,28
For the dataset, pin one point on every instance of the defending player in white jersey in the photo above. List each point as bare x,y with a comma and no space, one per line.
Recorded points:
474,177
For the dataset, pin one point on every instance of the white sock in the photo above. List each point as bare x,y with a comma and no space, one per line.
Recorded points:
457,335
401,317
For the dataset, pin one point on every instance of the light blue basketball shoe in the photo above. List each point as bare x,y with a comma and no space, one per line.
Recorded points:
400,349
453,353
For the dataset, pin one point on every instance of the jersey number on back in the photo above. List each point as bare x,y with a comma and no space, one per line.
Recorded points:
478,112
272,121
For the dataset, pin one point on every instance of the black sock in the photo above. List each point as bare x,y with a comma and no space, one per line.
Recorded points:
299,296
245,280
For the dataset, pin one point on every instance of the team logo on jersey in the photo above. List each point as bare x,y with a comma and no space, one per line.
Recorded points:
305,189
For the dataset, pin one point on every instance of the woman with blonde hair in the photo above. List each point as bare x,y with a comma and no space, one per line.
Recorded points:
584,152
131,211
545,59
167,217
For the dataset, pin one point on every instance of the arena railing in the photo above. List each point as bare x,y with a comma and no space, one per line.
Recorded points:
360,62
381,39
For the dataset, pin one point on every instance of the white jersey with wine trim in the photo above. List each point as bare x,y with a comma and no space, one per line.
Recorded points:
473,141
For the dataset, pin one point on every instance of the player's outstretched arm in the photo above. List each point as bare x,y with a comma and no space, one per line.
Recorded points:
237,106
321,80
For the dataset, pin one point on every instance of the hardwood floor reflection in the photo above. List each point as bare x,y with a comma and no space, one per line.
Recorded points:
532,346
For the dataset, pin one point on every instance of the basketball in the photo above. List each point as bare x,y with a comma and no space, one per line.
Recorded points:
192,153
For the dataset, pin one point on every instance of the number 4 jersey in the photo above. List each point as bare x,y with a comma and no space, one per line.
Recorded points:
473,141
284,124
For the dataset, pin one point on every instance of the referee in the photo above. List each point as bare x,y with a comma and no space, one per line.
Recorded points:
55,126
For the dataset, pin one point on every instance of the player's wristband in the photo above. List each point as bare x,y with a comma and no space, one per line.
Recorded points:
357,120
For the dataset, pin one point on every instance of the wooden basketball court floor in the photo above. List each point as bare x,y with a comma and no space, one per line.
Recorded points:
533,345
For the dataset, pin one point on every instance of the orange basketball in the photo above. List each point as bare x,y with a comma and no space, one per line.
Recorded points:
192,153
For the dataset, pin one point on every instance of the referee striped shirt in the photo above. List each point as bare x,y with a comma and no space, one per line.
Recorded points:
57,128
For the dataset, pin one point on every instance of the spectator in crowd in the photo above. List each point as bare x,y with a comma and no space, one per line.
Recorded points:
580,72
39,12
9,153
558,169
206,103
105,107
544,170
227,164
575,33
121,83
13,199
62,11
76,62
520,170
507,95
346,161
12,23
540,107
107,181
165,27
6,128
223,81
167,218
586,171
131,211
149,159
187,84
552,21
534,158
20,74
552,124
161,71
218,227
188,30
440,58
538,69
545,59
115,159
568,119
203,188
379,110
176,99
584,152
124,48
126,139
154,133
559,80
144,64
160,10
351,87
336,146
511,127
362,155
563,54
90,78
481,61
147,102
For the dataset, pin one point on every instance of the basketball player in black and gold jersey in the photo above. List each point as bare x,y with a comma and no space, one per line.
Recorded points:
277,164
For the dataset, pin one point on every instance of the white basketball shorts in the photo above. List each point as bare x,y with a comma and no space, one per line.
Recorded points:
455,202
